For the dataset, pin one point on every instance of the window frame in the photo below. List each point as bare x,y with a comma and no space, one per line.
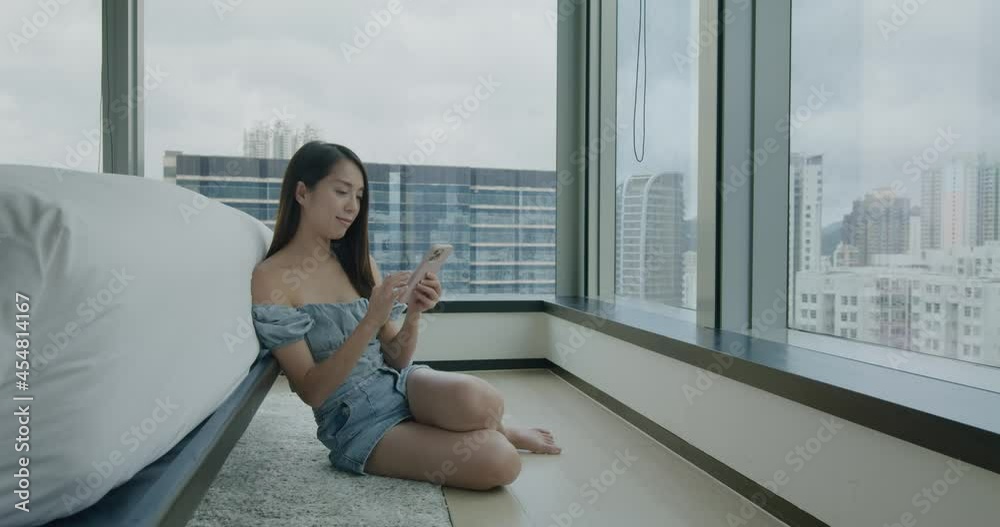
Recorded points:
743,92
123,67
601,281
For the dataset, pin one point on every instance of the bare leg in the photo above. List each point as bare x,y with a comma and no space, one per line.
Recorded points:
477,460
460,402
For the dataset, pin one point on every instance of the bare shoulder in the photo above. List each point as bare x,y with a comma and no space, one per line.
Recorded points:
266,283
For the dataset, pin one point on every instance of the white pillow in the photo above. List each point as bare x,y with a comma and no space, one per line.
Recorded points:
139,326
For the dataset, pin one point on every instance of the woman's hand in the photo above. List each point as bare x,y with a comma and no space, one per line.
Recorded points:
384,295
425,294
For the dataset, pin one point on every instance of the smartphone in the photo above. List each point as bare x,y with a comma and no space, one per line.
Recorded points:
432,262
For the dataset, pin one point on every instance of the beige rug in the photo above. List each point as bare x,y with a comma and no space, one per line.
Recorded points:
278,474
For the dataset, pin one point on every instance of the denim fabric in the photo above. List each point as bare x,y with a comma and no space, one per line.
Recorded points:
371,400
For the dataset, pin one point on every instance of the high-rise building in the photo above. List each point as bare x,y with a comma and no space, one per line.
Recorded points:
916,235
931,184
278,140
256,141
284,140
949,211
651,239
878,224
806,212
501,222
805,216
690,279
988,204
308,133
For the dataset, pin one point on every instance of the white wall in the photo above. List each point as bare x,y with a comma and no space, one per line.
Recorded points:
477,336
853,477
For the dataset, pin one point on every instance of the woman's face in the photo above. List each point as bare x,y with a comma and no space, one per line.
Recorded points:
335,202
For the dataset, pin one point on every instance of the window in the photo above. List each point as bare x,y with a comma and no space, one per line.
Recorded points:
656,164
853,69
247,86
51,95
813,299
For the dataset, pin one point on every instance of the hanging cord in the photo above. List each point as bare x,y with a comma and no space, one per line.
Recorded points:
640,45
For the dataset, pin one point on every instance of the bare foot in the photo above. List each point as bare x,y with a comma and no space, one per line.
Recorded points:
536,440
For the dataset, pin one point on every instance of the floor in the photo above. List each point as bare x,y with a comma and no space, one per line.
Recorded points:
609,473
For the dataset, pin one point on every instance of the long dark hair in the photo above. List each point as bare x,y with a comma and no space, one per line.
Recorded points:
310,164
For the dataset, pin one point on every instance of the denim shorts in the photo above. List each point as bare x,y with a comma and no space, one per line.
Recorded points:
355,422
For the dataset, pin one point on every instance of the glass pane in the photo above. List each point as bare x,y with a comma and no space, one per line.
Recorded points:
451,106
655,227
50,99
895,175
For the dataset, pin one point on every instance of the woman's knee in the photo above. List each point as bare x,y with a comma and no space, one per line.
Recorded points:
499,463
481,401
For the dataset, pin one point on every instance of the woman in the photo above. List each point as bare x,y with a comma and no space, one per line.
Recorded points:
322,308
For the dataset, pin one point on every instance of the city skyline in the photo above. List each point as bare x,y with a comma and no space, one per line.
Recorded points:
968,195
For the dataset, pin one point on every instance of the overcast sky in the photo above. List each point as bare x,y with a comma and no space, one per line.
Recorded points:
263,59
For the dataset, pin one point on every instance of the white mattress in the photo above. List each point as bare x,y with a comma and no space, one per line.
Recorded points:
139,326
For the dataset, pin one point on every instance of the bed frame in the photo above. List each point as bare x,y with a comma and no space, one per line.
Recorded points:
168,491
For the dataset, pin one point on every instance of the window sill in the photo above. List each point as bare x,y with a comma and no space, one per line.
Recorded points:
950,418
